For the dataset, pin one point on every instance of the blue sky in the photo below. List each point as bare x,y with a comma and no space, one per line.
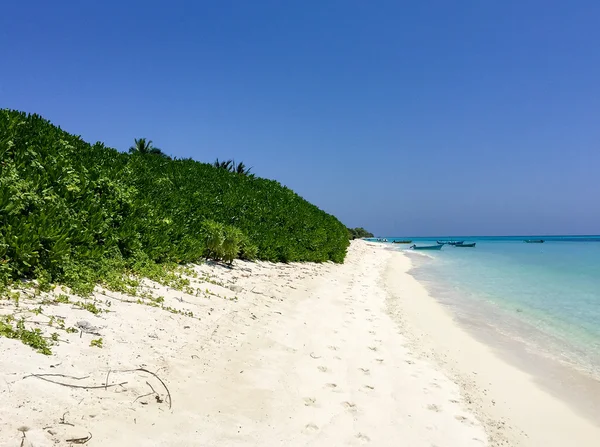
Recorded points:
407,118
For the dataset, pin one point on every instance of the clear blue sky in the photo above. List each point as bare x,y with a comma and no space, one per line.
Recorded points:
409,118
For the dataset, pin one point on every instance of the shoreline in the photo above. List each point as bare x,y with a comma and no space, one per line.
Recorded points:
266,354
506,316
521,344
519,407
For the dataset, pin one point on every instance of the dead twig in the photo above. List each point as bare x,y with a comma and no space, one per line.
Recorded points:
58,375
63,421
153,390
149,394
80,440
143,395
312,354
106,382
43,377
158,378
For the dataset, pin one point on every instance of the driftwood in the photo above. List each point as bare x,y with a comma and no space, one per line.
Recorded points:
158,378
80,440
46,377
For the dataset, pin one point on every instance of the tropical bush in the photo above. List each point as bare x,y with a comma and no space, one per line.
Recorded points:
73,212
357,233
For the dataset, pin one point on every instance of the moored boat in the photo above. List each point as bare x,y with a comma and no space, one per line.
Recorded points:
534,241
472,244
427,247
402,242
450,242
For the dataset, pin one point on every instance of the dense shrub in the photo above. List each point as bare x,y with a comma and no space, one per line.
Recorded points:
71,211
358,233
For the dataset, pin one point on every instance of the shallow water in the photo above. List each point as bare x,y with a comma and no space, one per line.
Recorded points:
544,295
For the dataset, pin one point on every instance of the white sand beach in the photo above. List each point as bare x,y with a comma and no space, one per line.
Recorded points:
292,355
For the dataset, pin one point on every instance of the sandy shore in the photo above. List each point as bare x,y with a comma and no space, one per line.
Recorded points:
266,354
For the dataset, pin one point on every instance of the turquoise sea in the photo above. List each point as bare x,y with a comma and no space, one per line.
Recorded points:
546,296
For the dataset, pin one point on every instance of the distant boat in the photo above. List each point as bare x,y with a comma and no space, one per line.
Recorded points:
450,242
534,241
465,245
427,247
401,242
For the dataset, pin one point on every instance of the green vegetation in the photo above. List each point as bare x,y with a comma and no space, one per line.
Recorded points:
145,147
230,166
33,338
96,343
76,213
358,233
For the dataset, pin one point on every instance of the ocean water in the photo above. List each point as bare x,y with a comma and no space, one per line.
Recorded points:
546,296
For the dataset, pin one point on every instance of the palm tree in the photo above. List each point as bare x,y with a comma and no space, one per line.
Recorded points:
230,166
227,165
145,147
241,169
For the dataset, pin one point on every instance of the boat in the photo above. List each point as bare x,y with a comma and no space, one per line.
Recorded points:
472,244
427,247
534,241
450,242
401,242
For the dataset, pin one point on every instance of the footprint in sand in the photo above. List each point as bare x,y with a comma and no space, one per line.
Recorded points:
369,387
333,348
331,386
379,360
373,348
460,418
350,406
434,407
337,357
310,401
410,362
363,437
372,332
310,428
322,368
365,371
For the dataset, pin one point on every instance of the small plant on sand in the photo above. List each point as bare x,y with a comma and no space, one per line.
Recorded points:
62,298
33,338
90,307
97,343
